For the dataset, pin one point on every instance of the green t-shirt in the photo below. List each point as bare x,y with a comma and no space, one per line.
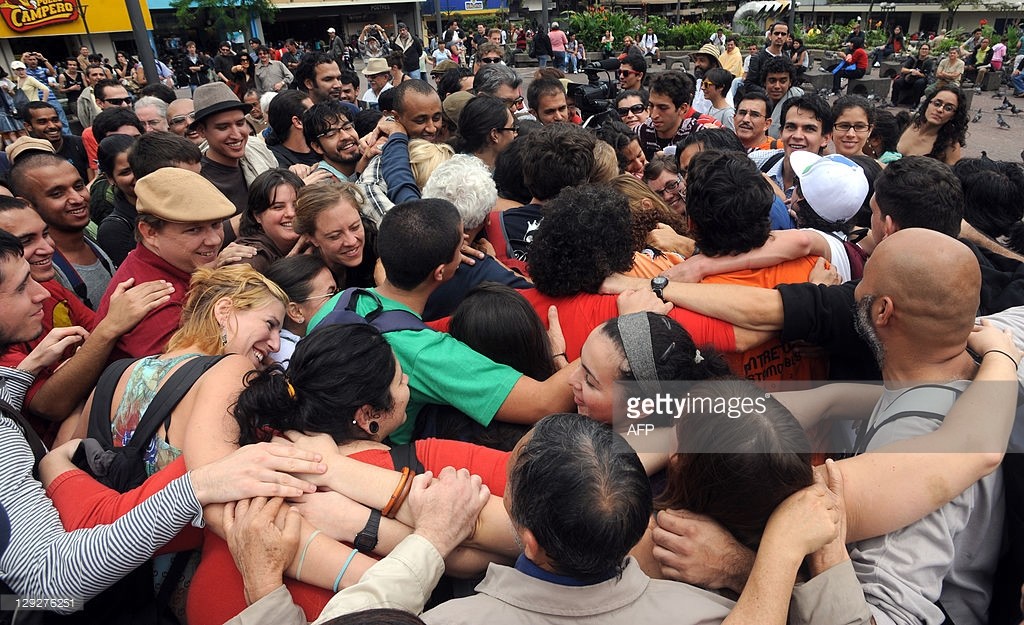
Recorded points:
441,370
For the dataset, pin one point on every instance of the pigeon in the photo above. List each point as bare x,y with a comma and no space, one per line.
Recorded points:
984,156
977,117
1002,122
1022,155
1014,109
1006,104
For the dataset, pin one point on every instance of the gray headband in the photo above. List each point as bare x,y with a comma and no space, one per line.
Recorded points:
635,330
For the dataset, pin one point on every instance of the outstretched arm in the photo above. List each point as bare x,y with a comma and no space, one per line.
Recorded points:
899,483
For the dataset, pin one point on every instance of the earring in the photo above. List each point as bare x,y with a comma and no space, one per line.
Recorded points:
374,428
223,337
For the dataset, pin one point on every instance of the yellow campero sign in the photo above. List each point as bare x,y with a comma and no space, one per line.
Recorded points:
64,17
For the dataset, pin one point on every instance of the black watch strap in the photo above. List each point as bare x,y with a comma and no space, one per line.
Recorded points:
366,540
658,284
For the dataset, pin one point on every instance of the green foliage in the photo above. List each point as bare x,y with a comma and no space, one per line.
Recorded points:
222,16
590,25
691,35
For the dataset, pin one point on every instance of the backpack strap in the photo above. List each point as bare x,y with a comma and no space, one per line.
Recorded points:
158,414
102,398
384,320
866,433
33,440
69,271
772,160
405,456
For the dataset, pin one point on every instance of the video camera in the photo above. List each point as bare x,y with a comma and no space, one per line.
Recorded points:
596,99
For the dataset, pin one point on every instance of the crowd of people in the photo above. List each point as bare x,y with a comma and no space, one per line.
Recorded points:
373,336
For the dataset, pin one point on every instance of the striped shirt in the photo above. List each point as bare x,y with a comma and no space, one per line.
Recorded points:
45,561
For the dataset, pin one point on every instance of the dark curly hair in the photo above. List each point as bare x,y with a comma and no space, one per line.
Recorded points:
728,202
619,136
584,238
887,130
848,102
992,192
335,371
953,132
778,65
450,81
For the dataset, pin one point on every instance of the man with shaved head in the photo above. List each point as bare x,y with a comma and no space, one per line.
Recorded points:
916,307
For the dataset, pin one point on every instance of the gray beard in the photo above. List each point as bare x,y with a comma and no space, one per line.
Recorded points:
867,329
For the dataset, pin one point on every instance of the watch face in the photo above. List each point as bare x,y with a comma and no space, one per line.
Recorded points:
659,283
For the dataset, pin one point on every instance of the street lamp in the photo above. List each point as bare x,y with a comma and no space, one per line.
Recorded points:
887,8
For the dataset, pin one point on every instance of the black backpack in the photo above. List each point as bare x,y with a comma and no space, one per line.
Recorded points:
124,468
132,601
344,313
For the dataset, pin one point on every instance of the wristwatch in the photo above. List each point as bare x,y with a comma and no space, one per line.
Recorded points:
366,540
658,284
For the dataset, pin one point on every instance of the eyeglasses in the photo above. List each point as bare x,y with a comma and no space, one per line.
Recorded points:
844,127
671,186
514,103
513,129
332,132
636,109
491,59
119,101
331,293
151,123
626,73
748,113
177,120
939,104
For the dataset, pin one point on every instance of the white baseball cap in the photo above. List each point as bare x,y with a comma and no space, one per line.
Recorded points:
331,30
834,186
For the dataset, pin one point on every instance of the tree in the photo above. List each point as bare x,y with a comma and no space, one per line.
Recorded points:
222,16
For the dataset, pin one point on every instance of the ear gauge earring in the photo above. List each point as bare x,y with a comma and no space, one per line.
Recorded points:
374,428
223,337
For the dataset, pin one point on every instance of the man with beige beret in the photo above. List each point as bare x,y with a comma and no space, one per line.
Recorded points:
180,228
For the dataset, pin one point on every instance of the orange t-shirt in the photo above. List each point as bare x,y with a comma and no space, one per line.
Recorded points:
645,266
774,360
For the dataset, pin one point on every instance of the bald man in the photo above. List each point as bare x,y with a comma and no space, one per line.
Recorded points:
916,307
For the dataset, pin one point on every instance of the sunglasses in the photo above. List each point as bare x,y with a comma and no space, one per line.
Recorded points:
636,109
119,101
626,73
514,103
177,120
490,59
